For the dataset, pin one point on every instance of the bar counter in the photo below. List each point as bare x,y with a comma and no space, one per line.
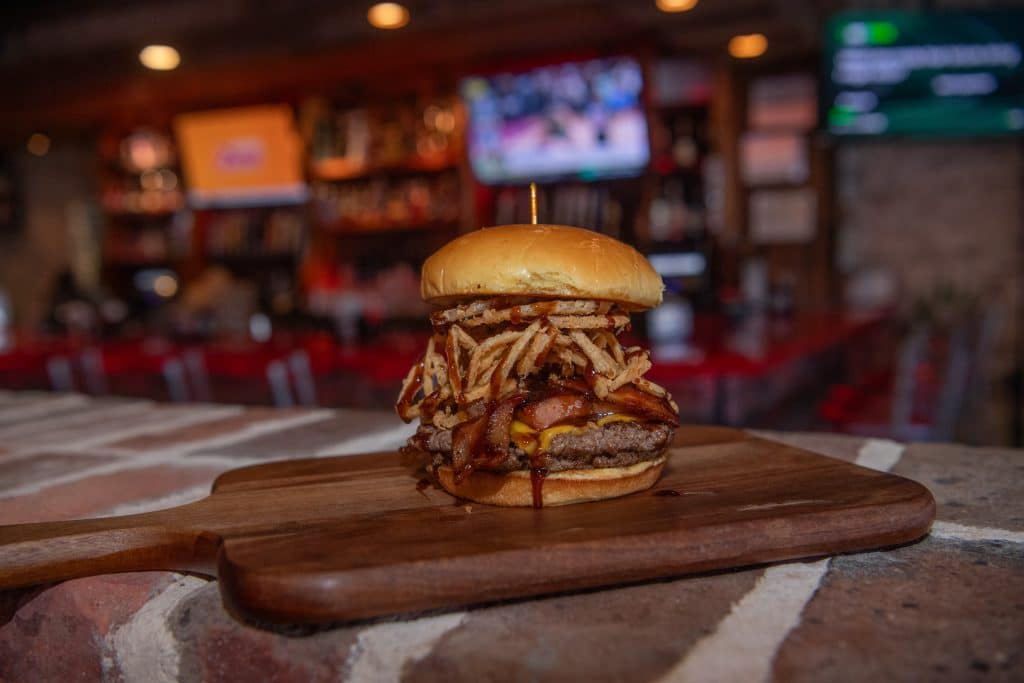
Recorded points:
731,374
948,607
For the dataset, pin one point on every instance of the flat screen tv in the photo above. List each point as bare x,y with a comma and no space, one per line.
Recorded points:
582,120
924,74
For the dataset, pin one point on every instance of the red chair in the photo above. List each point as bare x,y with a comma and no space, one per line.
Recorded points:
150,367
924,396
24,369
39,364
258,374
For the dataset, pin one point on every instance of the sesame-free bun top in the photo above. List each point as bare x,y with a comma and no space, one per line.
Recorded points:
544,261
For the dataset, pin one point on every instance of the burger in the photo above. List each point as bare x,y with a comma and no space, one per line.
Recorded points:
524,394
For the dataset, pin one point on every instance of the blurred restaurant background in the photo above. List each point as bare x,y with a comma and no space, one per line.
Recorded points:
229,200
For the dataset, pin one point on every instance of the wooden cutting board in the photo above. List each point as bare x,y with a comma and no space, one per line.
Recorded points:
314,541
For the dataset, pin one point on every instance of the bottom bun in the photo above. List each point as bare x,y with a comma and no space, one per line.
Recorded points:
558,488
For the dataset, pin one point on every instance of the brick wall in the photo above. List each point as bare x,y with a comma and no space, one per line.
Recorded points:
948,212
933,212
941,609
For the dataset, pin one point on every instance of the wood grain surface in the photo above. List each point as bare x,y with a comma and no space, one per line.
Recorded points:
313,541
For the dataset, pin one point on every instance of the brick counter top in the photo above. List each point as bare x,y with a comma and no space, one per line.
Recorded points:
949,607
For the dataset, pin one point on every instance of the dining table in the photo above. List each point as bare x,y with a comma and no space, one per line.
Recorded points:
949,606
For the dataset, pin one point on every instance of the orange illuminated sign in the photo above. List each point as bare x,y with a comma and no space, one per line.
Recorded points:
250,155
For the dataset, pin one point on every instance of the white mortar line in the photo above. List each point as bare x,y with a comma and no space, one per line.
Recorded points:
382,440
962,532
121,465
32,408
181,448
131,460
24,454
879,454
248,432
144,646
69,423
154,423
171,455
361,444
227,462
382,651
744,644
170,500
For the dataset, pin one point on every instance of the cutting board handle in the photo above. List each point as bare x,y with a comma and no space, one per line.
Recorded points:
54,551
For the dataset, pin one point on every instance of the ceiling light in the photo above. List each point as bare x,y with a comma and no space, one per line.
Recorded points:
388,15
165,286
675,5
160,57
748,45
38,144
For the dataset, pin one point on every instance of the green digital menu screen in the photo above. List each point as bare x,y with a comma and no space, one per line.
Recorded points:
924,74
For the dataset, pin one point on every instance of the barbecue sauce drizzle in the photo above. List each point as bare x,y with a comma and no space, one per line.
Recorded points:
477,446
483,454
537,477
405,400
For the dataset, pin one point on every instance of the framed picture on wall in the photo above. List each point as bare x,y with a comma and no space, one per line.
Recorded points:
787,102
783,216
774,158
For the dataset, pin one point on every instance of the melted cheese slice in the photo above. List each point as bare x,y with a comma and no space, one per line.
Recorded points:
529,439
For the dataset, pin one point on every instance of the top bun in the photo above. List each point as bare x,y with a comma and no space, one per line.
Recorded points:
544,261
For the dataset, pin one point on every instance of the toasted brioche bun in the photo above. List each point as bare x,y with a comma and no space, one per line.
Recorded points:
515,489
553,261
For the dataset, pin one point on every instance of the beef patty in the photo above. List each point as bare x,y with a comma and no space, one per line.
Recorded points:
618,444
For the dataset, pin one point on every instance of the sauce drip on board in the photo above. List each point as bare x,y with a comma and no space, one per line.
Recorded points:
537,477
665,493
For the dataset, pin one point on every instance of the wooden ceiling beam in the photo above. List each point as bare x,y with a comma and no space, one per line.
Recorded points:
445,54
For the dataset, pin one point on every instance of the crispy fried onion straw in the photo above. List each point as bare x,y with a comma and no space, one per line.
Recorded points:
572,337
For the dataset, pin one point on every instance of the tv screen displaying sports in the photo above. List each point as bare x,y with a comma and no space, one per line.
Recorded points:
582,120
921,74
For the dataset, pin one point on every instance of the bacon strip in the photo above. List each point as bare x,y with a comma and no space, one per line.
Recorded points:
555,409
641,403
499,424
465,439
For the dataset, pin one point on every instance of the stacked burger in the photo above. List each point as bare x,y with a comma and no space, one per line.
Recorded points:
525,395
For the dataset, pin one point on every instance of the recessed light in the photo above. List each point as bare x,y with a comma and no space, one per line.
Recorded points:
672,6
388,15
165,285
159,57
748,45
38,144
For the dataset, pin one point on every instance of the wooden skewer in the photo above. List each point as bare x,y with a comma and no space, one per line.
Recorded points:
533,203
